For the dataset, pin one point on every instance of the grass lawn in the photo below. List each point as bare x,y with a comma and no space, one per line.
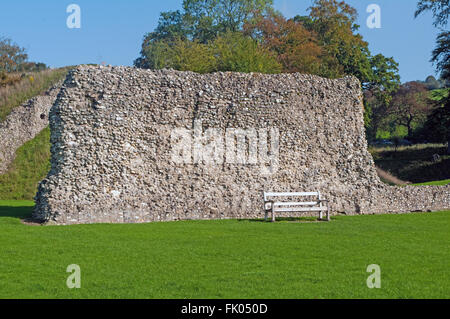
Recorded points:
30,166
227,259
437,183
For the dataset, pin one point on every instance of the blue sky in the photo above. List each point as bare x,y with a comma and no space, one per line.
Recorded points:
112,30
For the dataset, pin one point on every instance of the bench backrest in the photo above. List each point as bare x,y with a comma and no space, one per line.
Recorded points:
267,195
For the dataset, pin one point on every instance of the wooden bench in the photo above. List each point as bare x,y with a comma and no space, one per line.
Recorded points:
313,203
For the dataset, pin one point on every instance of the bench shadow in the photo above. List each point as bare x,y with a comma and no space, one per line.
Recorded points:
283,219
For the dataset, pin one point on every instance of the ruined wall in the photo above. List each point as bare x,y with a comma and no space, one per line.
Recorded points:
23,124
133,145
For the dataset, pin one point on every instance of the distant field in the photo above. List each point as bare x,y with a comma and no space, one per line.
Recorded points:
227,259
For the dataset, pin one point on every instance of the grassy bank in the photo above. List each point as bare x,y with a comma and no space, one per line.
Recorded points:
414,163
227,259
31,165
29,86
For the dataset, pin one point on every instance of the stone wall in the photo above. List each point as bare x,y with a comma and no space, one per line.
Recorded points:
23,124
133,145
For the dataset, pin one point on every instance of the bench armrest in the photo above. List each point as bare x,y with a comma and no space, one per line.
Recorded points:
271,202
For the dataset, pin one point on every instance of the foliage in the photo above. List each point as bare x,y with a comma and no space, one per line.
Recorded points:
11,55
296,48
437,127
441,54
439,8
210,18
236,52
183,55
14,59
231,51
441,12
31,165
410,105
227,258
200,21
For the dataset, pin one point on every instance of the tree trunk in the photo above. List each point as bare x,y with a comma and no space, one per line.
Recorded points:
409,126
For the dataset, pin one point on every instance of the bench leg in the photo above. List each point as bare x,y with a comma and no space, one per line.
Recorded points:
328,212
266,216
273,214
320,215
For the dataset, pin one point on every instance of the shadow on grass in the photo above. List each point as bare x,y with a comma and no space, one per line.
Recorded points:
16,212
283,219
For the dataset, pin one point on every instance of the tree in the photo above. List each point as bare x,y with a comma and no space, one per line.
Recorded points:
441,12
296,48
440,117
231,51
431,83
334,23
436,128
440,9
347,53
236,52
11,55
378,93
201,21
182,55
441,55
209,18
410,105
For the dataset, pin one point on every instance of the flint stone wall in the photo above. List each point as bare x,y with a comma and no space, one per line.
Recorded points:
113,147
23,124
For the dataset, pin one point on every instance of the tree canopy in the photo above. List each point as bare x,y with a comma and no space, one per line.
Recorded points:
251,36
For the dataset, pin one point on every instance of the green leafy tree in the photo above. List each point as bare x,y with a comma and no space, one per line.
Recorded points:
209,18
347,53
410,105
201,21
335,24
237,52
231,51
378,93
183,55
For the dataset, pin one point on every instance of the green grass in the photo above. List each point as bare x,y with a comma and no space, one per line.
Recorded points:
34,84
227,259
435,183
30,166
